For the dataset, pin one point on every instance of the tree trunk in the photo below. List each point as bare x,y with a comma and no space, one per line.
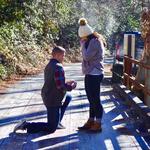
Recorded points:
143,75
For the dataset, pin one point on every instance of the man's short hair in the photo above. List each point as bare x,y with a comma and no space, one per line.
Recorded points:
58,49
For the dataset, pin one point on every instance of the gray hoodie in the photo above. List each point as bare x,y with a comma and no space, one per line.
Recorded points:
92,56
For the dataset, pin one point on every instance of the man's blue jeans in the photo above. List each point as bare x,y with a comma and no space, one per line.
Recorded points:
54,116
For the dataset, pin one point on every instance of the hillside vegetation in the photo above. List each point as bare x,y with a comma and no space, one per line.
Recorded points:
29,28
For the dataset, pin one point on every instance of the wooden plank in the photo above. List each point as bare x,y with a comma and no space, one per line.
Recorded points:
139,85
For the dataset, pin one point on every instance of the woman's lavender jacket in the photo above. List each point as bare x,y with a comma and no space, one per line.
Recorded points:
92,56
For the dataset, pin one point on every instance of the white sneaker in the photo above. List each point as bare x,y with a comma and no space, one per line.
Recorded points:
20,125
60,126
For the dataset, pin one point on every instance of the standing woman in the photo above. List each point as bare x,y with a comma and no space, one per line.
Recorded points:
92,46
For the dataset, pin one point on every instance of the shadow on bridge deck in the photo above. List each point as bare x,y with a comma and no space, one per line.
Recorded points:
120,130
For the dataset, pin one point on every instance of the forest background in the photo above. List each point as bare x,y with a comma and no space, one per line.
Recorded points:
29,28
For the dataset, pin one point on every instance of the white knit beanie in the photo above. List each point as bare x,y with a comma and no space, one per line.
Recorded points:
84,29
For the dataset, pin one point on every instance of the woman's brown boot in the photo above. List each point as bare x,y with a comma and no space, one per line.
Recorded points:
87,125
96,127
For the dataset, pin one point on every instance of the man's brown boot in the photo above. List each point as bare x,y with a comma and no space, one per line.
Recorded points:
96,127
87,125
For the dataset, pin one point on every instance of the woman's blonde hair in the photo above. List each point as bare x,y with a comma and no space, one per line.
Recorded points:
100,37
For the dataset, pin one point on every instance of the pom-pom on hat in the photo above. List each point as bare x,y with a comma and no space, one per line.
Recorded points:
84,28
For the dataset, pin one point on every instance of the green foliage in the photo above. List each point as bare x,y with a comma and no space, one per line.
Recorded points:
129,16
133,22
3,72
12,10
29,26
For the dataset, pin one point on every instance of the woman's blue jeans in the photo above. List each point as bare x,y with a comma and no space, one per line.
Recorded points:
92,88
54,116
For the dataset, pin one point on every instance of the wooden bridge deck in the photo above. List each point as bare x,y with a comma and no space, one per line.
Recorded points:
23,100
